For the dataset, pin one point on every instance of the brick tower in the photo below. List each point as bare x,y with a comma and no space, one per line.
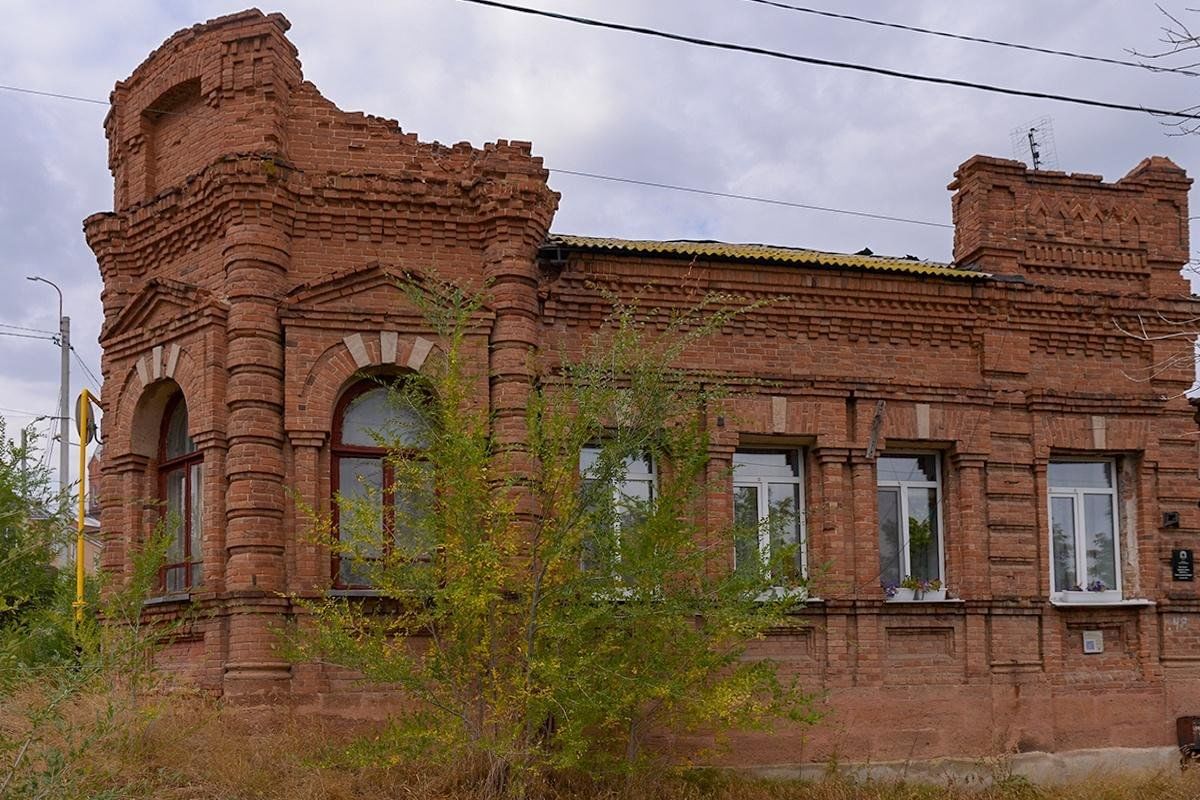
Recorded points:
249,275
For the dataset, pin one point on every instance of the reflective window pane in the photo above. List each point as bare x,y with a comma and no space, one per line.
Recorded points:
1100,540
633,502
889,536
766,464
640,465
745,517
1081,474
360,518
412,496
1062,541
920,468
175,520
783,514
376,418
178,442
196,521
173,579
923,535
588,457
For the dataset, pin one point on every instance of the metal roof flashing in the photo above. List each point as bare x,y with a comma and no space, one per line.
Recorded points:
557,245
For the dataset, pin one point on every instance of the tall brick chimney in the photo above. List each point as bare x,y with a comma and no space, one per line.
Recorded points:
1073,231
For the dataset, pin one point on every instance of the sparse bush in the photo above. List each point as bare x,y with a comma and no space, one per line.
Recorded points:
545,623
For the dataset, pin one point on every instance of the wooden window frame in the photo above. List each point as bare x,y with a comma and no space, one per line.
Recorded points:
167,466
338,451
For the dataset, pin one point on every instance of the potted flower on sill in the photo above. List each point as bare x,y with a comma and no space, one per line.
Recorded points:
906,592
915,590
932,591
1096,592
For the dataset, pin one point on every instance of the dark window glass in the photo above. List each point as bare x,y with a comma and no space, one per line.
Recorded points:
181,482
380,514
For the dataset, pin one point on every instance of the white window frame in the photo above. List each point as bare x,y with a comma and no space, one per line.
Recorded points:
762,484
1077,495
902,488
629,477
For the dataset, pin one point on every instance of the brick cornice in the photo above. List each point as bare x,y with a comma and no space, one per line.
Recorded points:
234,185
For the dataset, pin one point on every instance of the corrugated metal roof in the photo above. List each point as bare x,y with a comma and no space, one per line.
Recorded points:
760,253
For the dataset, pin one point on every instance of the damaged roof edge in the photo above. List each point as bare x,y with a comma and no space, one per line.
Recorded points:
758,253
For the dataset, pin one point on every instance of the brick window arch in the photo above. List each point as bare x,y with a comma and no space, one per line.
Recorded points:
180,483
371,417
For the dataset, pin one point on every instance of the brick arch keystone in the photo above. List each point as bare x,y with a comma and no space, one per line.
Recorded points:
345,360
143,391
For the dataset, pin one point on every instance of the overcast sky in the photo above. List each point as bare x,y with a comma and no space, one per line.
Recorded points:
596,101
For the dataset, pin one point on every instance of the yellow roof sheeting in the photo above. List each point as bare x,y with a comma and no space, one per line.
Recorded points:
766,254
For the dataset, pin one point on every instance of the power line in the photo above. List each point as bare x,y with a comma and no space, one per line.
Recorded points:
19,412
634,181
966,38
40,93
824,62
96,382
30,330
27,335
752,198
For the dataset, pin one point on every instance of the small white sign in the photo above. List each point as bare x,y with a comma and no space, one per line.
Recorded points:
1093,642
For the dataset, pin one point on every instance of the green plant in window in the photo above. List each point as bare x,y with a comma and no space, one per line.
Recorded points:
920,534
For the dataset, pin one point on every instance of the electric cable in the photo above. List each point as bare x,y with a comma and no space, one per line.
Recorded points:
27,335
96,382
29,330
638,182
825,62
967,38
752,198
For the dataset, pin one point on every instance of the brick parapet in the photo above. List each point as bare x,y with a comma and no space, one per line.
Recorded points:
1074,231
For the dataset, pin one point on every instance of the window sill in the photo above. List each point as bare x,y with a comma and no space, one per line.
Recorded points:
164,599
892,601
797,593
355,593
1058,602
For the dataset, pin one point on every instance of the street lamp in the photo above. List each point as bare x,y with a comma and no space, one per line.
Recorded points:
64,390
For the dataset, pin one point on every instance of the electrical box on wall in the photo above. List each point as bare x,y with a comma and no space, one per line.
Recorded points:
1093,642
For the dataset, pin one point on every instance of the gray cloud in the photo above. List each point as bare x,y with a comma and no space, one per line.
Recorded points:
597,101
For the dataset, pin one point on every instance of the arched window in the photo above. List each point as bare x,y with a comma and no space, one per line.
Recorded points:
367,418
180,473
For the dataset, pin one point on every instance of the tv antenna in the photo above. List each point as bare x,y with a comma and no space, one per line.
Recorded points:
1033,143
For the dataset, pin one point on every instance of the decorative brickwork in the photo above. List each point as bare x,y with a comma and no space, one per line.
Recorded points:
251,264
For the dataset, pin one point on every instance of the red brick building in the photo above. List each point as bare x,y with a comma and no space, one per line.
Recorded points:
249,278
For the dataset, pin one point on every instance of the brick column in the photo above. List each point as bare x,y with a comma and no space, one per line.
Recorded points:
966,542
256,262
510,266
828,536
212,544
718,503
864,527
124,489
308,567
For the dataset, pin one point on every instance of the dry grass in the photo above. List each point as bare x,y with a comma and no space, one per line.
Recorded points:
193,750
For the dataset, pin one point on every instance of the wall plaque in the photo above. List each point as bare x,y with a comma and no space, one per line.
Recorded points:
1183,566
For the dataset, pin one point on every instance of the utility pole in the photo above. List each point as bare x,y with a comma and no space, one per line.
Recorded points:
64,395
64,406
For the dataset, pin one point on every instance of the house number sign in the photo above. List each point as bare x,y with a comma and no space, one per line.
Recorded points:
1183,566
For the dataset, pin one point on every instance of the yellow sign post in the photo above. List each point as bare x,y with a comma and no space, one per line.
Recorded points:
84,406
